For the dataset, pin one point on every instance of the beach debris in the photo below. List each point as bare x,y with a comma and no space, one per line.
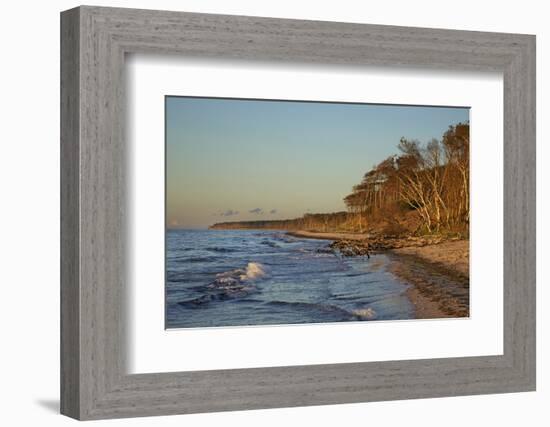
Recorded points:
351,247
325,250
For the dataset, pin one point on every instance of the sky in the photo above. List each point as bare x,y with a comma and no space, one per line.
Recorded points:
236,160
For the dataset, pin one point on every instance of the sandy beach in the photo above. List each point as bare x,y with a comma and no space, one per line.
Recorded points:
437,272
439,275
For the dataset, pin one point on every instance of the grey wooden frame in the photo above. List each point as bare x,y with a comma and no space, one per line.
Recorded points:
94,41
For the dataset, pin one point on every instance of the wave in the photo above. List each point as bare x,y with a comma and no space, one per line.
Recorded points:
197,259
220,249
252,271
286,238
357,314
269,243
365,313
255,270
310,306
232,284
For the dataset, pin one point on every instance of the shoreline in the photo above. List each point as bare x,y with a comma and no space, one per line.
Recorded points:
321,235
438,287
435,269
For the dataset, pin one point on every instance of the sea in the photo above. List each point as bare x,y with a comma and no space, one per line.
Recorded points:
220,278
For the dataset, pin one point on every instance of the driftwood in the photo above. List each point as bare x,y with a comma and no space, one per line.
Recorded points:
364,247
351,247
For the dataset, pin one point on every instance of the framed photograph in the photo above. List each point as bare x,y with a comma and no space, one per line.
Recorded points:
250,247
262,213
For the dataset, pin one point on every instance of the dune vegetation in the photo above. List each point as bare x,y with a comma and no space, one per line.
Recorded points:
423,189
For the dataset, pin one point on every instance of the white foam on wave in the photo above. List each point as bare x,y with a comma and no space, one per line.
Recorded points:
254,270
365,313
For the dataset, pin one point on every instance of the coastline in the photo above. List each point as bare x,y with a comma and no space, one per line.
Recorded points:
439,279
436,269
327,235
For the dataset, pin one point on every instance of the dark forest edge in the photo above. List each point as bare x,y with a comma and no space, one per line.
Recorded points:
415,195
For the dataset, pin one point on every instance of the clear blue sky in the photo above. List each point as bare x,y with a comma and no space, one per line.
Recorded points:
231,160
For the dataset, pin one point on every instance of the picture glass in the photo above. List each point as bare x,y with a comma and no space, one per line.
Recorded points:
293,212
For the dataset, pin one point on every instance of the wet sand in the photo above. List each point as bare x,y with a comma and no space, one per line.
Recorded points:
439,275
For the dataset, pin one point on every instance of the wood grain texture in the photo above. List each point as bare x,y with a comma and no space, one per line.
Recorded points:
94,237
70,263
